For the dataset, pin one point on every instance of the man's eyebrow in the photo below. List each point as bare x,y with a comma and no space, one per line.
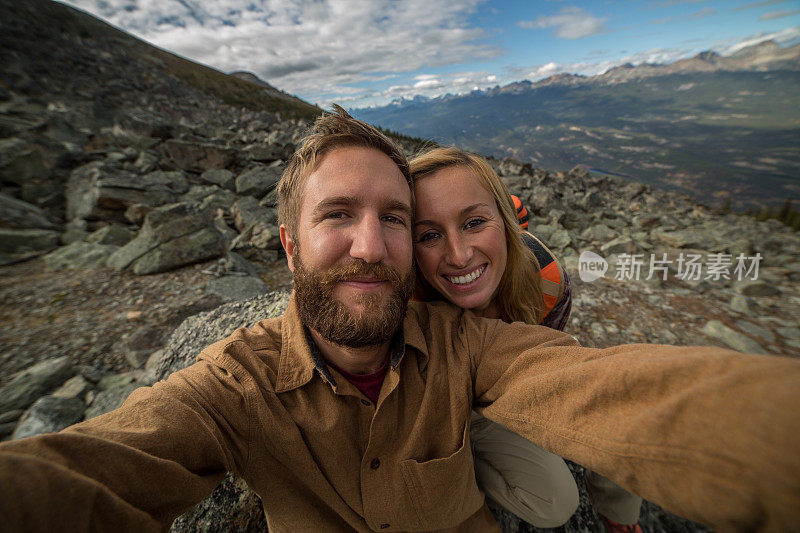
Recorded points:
396,205
461,213
335,201
350,201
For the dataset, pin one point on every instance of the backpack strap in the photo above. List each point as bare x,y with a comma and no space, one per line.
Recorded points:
522,212
552,278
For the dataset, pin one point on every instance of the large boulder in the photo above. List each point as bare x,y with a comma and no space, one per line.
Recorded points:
49,414
34,382
15,213
220,177
258,181
172,236
79,255
103,190
20,244
198,157
113,234
246,212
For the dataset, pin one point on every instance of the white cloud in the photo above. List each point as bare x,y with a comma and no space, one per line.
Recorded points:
786,37
545,70
779,14
758,4
569,23
703,13
306,46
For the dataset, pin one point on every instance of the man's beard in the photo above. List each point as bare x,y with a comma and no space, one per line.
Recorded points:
338,323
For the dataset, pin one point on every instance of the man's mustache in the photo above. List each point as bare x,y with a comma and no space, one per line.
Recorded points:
362,269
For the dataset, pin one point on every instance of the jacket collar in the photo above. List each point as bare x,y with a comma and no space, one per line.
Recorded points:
300,359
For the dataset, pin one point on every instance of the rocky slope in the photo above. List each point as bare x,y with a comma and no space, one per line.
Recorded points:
131,201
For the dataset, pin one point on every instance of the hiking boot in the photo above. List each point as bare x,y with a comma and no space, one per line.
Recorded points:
616,527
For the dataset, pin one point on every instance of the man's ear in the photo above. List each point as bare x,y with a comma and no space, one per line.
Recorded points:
288,246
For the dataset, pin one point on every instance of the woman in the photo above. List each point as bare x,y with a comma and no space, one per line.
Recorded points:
469,250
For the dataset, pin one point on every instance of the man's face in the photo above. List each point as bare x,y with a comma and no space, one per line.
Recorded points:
351,255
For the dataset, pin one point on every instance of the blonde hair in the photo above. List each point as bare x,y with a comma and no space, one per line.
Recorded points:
336,129
519,295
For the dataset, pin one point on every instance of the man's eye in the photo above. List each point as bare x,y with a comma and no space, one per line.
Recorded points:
474,222
428,236
336,214
394,220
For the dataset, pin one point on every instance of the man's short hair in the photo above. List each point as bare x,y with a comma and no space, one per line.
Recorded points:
336,129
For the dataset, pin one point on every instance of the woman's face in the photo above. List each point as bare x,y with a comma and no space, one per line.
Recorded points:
459,238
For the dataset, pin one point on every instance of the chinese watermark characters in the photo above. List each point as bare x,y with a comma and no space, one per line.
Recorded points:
686,267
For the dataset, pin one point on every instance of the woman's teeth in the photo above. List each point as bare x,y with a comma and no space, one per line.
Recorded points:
462,280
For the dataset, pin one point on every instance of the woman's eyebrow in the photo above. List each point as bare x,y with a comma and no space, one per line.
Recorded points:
461,213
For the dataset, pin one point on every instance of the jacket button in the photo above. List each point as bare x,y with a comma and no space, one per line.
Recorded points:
374,465
384,526
366,402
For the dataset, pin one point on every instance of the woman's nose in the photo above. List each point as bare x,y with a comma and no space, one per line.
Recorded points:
459,252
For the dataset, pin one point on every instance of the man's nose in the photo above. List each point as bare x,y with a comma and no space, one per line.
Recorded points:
368,241
459,252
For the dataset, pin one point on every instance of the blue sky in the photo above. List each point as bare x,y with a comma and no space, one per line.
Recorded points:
369,52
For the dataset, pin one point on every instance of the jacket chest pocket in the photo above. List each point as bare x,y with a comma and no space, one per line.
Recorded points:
443,491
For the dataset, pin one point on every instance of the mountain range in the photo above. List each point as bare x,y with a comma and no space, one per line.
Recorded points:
713,126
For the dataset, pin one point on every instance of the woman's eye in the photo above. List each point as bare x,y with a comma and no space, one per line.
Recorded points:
474,222
427,236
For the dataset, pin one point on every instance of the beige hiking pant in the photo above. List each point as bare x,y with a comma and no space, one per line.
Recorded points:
536,485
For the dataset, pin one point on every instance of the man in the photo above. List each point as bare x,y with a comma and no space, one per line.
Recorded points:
343,415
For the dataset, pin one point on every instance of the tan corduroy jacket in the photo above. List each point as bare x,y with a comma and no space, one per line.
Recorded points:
710,434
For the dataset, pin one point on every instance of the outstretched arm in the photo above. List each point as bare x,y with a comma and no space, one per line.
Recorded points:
138,467
709,434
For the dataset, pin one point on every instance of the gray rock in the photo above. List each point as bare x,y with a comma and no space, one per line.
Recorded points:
560,239
232,502
756,287
755,330
6,429
34,382
114,234
620,245
731,337
236,288
49,414
172,236
36,241
221,199
110,398
789,333
198,157
198,331
741,304
102,191
17,214
74,387
264,152
258,181
683,239
599,233
79,255
261,236
73,235
220,177
11,416
246,212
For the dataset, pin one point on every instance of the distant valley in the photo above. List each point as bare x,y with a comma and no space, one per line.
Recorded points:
712,126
